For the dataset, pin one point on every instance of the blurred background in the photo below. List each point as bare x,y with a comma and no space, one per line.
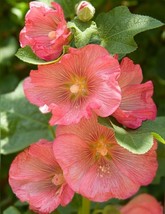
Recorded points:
150,55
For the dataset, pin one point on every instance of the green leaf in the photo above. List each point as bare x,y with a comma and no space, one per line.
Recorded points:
158,137
11,210
68,7
21,123
26,54
118,27
82,31
156,128
137,141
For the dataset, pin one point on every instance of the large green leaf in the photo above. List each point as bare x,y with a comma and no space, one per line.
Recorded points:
138,141
118,27
21,123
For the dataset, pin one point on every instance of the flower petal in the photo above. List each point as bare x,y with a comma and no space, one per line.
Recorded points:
31,178
136,105
143,203
130,73
49,86
101,177
45,30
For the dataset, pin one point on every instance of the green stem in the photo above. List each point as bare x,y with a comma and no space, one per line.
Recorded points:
85,209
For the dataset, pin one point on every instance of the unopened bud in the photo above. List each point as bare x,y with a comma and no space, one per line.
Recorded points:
85,11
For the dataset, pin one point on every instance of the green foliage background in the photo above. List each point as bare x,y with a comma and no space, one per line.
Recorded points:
150,55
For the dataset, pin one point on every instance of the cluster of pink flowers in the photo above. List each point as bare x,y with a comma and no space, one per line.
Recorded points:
85,83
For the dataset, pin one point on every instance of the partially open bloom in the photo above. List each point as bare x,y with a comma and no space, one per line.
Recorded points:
36,177
84,80
98,168
142,204
45,30
136,104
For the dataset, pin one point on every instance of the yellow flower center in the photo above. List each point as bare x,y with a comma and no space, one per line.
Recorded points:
79,87
101,147
52,35
58,179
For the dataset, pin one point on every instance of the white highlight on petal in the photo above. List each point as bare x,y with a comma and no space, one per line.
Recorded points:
44,109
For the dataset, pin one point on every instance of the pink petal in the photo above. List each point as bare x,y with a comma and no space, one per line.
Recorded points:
144,204
45,30
130,73
136,105
146,164
31,178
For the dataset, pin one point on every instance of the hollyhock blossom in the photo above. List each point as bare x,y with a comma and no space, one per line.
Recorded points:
142,204
95,166
136,104
36,177
84,80
45,30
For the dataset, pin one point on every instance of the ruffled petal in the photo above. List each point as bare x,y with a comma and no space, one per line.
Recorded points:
137,105
50,86
130,73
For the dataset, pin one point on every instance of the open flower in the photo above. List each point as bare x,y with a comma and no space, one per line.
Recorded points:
95,166
36,177
45,30
142,204
84,80
136,103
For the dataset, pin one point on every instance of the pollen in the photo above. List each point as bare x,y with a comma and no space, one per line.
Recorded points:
79,87
75,89
52,35
101,147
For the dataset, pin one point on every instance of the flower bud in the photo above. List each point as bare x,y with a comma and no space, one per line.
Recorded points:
85,11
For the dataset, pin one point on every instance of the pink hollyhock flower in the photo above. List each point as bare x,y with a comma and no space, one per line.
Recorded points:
136,104
95,166
36,177
45,30
142,204
84,80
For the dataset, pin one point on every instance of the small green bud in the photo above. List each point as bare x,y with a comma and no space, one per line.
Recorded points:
85,11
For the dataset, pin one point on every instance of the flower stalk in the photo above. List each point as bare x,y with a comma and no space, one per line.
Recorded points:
85,208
